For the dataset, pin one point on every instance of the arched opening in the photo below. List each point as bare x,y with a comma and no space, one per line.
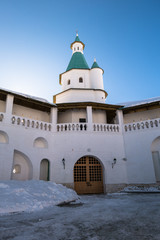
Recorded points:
80,80
155,148
40,142
44,170
69,82
4,137
88,176
22,167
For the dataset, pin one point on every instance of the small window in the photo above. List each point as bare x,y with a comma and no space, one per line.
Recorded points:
74,49
17,169
82,120
81,80
77,48
69,82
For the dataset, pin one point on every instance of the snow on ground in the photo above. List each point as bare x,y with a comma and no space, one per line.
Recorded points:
98,217
29,196
141,189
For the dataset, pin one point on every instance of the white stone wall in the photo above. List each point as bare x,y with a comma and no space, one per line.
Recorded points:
71,115
96,78
2,106
141,116
30,113
74,75
78,95
139,156
99,116
70,146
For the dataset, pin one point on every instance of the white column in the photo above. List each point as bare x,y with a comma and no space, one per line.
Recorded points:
9,104
9,108
89,118
120,118
54,113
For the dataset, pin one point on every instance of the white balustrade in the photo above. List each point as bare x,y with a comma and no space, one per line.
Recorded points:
29,123
63,127
97,127
84,127
142,125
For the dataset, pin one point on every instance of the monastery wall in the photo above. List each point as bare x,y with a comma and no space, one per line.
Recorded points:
2,106
99,116
141,115
138,148
30,113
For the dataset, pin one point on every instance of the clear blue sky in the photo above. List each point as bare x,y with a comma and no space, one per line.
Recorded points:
123,35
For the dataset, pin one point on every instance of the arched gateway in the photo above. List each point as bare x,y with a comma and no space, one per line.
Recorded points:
88,176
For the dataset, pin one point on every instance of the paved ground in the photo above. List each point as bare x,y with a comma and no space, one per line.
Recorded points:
98,217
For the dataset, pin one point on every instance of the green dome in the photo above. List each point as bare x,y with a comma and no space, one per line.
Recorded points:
77,62
95,65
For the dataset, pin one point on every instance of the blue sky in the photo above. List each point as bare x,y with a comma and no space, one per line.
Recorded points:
123,35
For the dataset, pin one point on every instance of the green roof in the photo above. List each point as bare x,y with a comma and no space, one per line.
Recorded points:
77,39
95,65
77,62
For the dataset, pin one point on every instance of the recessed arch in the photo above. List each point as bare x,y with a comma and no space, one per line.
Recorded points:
4,137
155,149
22,167
45,170
40,142
88,175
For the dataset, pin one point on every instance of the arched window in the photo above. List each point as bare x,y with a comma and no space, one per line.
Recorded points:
40,142
80,80
44,170
69,82
4,137
77,48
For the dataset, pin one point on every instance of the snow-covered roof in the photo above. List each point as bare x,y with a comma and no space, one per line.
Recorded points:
27,96
138,103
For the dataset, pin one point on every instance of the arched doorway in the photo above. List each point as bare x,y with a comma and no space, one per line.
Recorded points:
44,170
155,148
88,176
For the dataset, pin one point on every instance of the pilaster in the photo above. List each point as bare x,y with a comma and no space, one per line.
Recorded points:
89,118
54,113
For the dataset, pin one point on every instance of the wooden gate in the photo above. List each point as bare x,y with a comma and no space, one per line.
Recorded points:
88,177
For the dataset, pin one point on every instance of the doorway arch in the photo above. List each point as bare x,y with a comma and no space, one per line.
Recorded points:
45,170
155,148
88,176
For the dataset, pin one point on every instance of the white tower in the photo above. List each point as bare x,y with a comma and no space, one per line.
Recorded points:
79,82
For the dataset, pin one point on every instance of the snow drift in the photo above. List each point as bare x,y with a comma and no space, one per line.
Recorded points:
29,196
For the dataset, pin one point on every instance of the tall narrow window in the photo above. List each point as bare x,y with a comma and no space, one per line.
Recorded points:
69,82
81,80
77,48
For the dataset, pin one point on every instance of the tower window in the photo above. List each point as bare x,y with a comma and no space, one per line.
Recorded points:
81,80
77,48
68,82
